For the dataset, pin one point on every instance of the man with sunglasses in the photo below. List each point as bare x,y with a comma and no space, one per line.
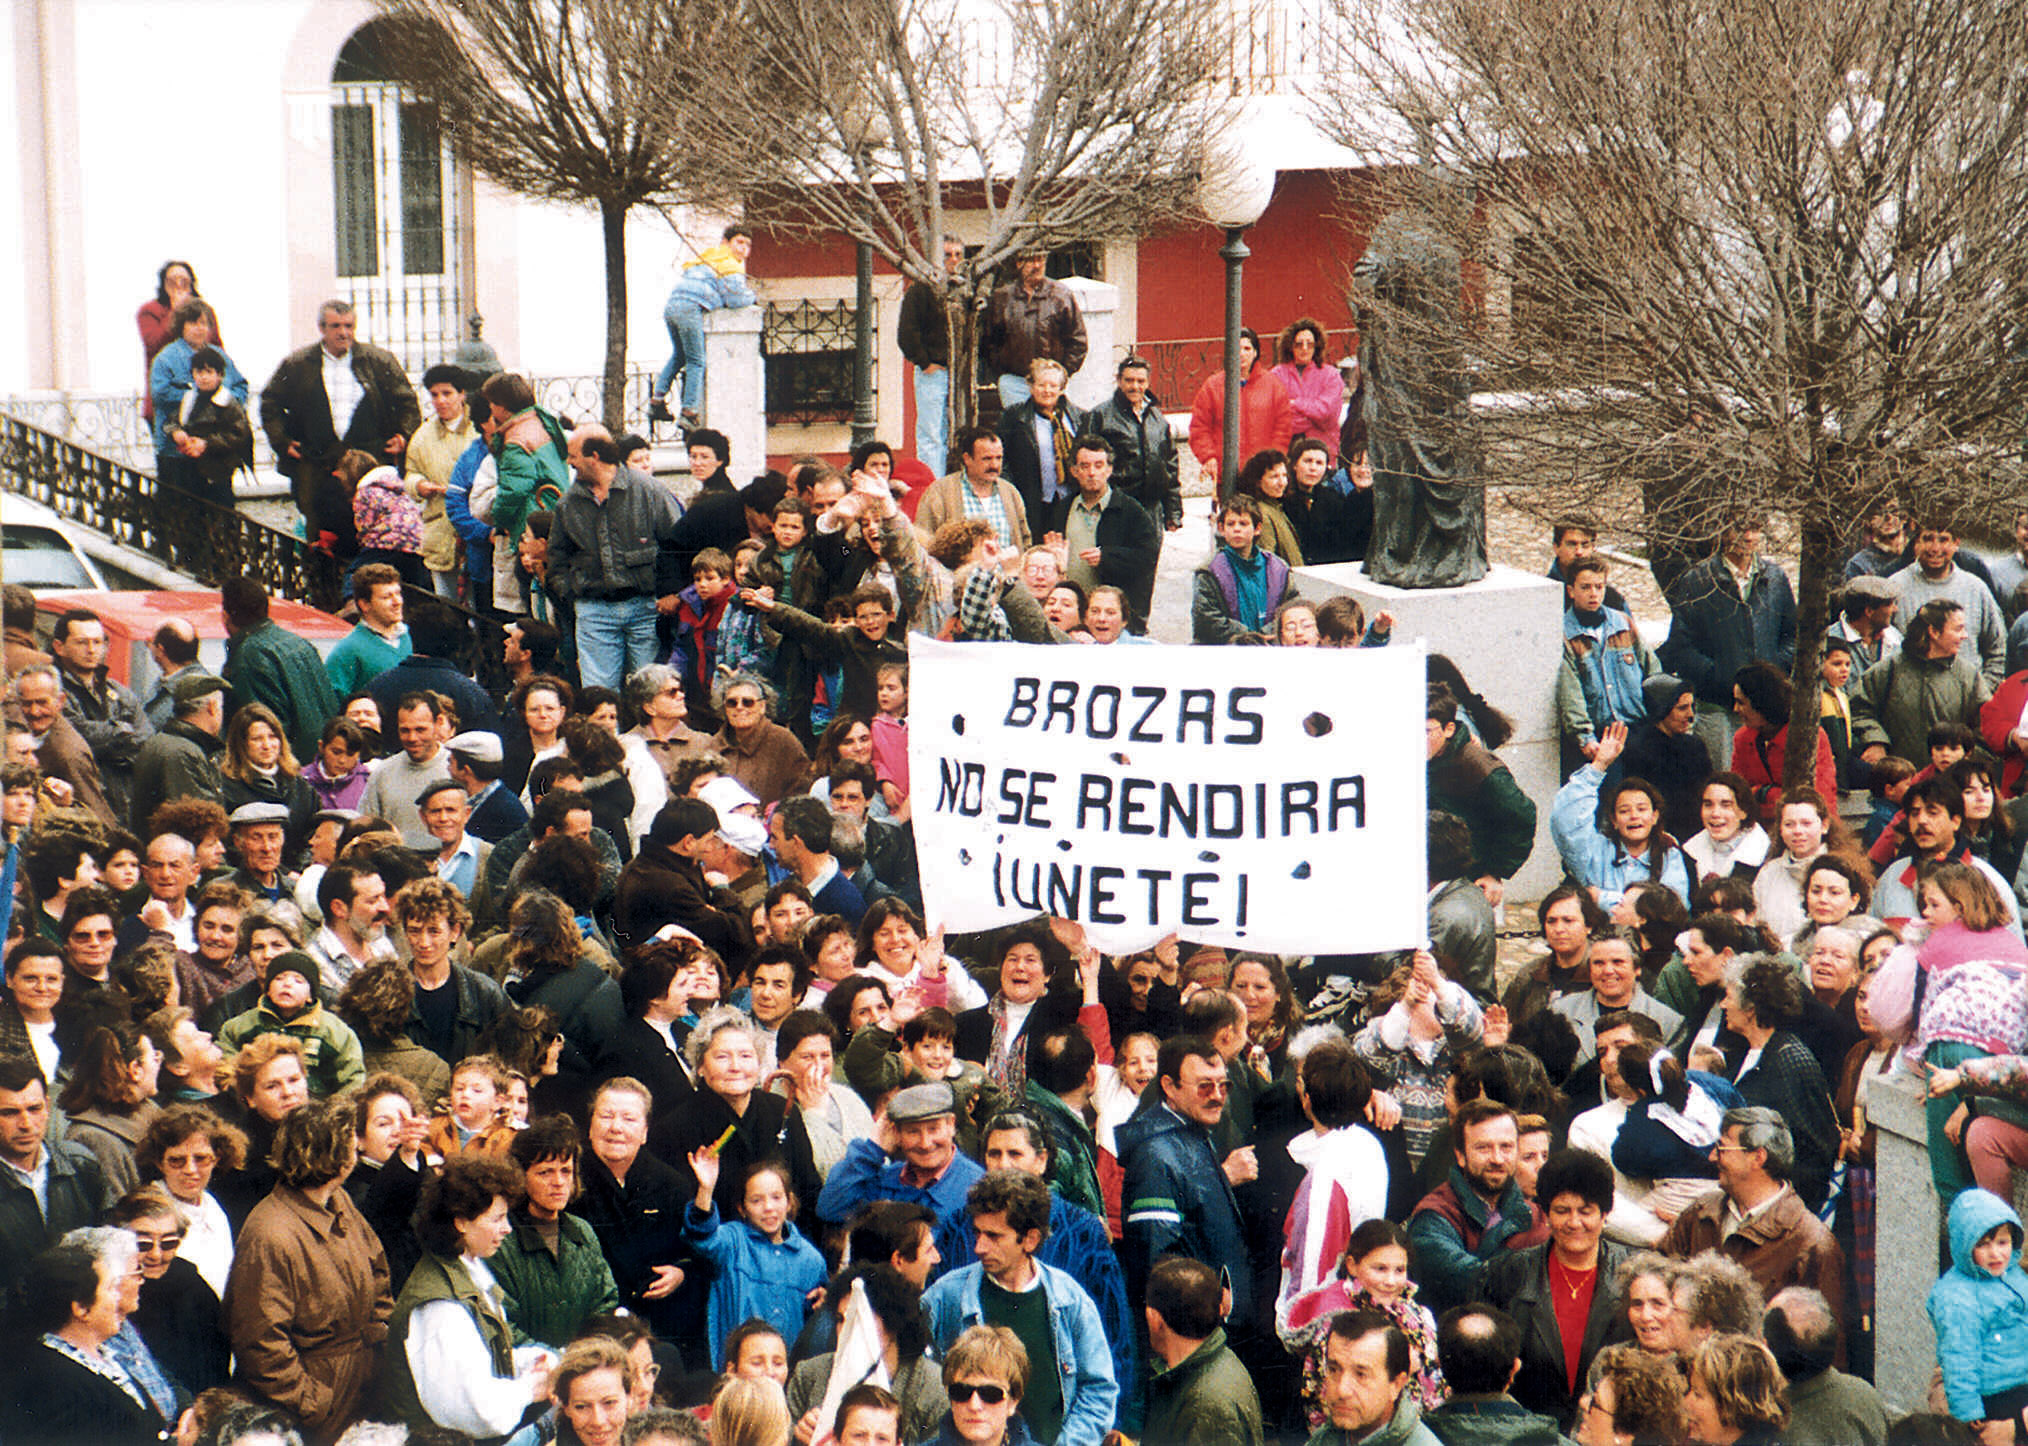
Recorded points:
1178,1197
1071,1395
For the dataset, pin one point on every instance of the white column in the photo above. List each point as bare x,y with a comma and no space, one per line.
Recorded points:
735,387
1100,303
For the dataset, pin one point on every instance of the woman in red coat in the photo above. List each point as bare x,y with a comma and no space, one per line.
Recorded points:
1265,420
1762,696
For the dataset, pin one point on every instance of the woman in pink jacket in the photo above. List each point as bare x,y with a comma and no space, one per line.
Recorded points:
1316,389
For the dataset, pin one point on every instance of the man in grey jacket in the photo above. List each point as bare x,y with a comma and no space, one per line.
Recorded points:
610,553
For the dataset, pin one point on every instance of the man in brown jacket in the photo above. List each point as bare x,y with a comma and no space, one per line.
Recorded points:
36,704
1754,1218
1031,319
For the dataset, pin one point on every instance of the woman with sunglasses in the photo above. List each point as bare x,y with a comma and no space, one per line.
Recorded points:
178,1314
985,1371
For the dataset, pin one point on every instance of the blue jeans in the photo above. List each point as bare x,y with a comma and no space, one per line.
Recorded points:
614,638
1013,390
685,320
932,424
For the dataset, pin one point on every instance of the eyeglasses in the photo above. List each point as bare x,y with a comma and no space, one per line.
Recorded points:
93,934
963,1391
1211,1089
742,702
152,1243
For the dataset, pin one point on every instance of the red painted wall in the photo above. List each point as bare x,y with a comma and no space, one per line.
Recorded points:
1303,246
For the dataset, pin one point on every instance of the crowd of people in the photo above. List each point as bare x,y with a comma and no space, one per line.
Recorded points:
571,1062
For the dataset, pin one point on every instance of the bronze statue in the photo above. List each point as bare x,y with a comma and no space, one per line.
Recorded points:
1429,502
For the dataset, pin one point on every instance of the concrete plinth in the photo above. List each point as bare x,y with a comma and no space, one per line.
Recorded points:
1907,1226
1100,303
735,388
1505,633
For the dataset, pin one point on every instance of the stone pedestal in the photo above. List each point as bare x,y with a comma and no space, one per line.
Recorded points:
1908,1224
735,388
1505,633
1094,381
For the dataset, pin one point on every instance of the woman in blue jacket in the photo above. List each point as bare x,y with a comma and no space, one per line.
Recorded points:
1631,846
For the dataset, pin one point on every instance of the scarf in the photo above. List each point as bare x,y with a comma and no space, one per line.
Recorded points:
1006,1064
1249,587
1060,438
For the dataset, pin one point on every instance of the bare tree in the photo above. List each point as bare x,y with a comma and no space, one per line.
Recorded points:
1060,121
1740,256
559,100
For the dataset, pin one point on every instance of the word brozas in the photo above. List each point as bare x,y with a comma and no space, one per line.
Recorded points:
1274,803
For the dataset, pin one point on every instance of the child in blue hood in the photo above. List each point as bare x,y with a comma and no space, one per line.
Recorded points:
1980,1311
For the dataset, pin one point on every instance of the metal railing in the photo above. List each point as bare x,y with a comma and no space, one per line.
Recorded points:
206,541
111,424
126,505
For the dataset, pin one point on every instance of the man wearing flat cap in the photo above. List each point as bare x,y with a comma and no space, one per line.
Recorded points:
475,763
260,839
180,761
913,1158
1866,621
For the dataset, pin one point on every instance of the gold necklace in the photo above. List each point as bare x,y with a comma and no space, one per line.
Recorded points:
1582,1278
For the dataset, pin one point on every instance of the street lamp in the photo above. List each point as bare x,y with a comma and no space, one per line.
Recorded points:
1235,189
865,130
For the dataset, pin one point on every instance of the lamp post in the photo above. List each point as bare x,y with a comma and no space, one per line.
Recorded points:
864,129
1235,189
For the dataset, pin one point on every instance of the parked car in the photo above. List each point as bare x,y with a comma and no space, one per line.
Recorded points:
39,550
131,619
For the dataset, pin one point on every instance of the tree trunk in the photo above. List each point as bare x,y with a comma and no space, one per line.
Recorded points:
613,221
1818,565
961,325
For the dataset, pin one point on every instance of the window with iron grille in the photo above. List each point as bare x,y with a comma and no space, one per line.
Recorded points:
807,348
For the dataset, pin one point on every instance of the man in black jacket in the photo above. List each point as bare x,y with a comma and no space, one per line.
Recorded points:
666,885
1145,461
73,1191
1111,541
924,338
336,396
610,553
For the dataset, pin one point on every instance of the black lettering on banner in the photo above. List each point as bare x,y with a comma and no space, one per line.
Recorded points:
1245,715
1133,808
1064,889
1010,796
1109,695
1139,732
1062,704
1102,910
1155,878
1348,795
1197,706
1021,703
1235,800
961,788
1031,813
1181,807
1195,903
1299,800
1094,795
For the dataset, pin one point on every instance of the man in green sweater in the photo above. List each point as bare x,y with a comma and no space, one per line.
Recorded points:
380,641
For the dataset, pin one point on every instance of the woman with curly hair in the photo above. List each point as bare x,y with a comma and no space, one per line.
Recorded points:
1636,1396
1762,994
185,1148
377,1002
260,767
453,1362
110,1099
1736,1395
1265,478
1316,388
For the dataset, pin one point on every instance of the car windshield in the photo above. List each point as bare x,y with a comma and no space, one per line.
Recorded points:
39,558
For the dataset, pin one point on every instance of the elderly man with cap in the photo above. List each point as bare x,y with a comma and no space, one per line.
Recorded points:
913,1158
259,831
474,760
1866,620
179,762
1665,752
460,854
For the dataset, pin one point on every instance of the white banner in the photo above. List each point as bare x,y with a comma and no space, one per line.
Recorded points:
1259,798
